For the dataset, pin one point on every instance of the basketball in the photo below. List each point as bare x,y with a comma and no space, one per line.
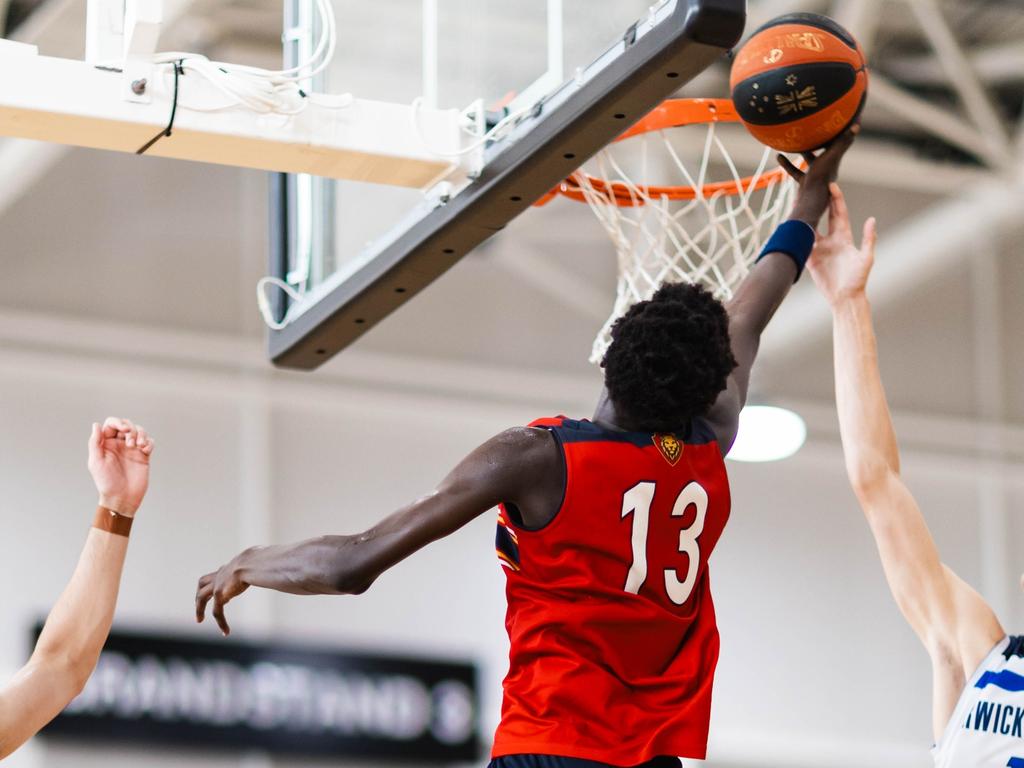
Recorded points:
799,82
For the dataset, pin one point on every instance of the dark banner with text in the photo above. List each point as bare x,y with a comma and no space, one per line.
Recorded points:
154,689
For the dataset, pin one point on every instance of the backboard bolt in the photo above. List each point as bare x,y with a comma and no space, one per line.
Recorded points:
630,37
440,194
139,86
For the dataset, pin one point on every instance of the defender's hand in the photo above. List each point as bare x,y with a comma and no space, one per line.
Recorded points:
222,586
822,170
119,454
839,268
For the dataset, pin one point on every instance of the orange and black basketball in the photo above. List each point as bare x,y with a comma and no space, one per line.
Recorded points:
799,82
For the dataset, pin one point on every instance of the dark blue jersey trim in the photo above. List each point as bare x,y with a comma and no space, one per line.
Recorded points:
585,431
701,433
1015,647
1004,678
553,761
505,544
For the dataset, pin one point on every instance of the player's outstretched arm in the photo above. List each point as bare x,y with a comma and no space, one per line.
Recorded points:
771,278
519,465
77,627
953,622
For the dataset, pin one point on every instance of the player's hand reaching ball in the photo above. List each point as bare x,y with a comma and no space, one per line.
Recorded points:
838,266
119,454
822,170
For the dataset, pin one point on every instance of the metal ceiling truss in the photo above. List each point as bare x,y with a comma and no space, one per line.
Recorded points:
974,123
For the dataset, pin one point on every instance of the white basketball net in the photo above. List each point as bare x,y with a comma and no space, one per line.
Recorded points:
712,239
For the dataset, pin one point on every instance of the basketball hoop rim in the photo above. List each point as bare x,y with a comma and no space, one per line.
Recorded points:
672,113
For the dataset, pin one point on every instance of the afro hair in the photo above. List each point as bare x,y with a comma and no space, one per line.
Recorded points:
669,359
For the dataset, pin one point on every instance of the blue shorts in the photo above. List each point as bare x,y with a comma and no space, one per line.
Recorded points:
552,761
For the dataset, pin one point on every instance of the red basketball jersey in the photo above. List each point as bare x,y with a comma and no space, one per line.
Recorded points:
613,634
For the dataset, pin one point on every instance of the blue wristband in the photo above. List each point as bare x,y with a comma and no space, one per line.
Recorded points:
793,238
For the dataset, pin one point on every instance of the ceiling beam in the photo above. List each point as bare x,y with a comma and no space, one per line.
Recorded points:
861,19
938,121
994,64
961,74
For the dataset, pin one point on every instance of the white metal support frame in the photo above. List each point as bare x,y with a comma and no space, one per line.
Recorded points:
120,99
142,22
72,102
104,30
555,74
126,33
430,54
298,46
556,40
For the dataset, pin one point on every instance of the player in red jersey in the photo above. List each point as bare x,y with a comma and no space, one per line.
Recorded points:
605,526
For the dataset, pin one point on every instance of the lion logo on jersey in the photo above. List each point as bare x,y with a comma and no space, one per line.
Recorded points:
670,448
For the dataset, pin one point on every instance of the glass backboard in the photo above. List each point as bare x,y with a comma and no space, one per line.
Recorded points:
492,58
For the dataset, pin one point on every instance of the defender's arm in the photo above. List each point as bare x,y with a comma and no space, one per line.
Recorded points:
69,646
909,556
77,627
953,622
516,466
768,283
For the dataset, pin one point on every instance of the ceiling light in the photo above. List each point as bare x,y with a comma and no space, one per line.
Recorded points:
768,434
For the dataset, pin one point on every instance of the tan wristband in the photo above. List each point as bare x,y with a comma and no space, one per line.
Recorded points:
112,522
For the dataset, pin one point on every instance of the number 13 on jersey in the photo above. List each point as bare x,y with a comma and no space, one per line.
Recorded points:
637,502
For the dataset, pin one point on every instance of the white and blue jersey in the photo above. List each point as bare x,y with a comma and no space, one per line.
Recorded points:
987,726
